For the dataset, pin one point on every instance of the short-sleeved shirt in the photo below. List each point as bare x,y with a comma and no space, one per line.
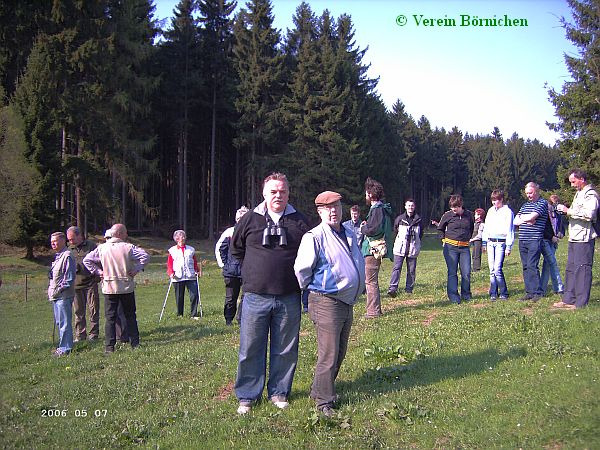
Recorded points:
534,232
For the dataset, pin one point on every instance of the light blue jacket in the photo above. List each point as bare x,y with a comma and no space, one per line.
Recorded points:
330,265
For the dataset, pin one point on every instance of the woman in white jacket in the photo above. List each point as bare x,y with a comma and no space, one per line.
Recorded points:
183,269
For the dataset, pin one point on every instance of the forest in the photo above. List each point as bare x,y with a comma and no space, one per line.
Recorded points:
108,115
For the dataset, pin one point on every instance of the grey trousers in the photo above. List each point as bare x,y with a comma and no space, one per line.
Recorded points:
333,321
578,273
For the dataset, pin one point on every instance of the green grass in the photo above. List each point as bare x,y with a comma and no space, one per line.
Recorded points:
426,375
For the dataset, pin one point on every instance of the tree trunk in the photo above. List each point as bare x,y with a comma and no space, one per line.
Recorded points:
211,211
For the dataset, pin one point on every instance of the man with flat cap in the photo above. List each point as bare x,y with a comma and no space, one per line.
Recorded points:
331,267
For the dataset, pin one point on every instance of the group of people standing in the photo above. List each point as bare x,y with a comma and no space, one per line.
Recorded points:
541,226
74,276
272,254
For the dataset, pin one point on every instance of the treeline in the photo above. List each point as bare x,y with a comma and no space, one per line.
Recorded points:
106,118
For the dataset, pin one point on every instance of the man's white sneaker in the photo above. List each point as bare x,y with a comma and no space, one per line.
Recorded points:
280,401
243,409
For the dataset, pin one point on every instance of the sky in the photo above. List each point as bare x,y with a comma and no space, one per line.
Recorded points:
474,77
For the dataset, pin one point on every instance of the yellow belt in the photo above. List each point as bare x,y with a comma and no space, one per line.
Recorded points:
455,243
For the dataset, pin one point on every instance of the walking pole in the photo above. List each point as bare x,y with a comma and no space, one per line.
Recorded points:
199,301
165,303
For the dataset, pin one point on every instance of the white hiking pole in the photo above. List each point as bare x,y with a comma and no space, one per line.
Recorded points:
199,301
165,303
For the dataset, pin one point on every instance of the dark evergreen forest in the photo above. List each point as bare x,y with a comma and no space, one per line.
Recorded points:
109,116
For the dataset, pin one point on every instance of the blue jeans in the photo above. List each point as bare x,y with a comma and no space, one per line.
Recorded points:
63,308
278,315
530,259
458,257
496,252
550,268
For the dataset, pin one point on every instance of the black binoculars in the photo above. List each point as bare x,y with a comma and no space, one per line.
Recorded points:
274,230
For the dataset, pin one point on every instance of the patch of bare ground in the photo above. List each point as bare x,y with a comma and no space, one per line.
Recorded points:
391,305
527,311
429,318
225,392
553,446
304,333
479,305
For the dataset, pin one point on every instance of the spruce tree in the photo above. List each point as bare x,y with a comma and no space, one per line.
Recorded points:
259,66
577,105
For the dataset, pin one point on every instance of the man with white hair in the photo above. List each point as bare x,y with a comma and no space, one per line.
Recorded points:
232,271
183,269
266,240
117,262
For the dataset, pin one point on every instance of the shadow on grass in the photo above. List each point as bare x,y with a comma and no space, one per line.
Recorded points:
424,372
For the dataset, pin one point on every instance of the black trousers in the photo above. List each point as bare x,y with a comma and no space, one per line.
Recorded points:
232,292
111,305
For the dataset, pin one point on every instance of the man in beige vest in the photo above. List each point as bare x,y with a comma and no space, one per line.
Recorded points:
117,262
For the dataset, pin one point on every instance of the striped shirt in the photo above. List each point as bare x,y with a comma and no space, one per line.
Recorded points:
534,232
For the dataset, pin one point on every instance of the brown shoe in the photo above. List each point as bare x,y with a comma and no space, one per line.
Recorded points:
563,305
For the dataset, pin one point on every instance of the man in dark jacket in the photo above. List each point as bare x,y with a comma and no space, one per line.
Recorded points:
86,288
266,241
232,271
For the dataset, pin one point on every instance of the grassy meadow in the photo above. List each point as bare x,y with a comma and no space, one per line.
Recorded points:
428,374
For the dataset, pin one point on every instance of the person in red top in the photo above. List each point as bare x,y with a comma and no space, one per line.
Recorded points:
182,268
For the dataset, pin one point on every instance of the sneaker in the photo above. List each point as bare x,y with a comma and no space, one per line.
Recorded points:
502,297
280,401
244,408
391,293
492,299
109,349
228,323
195,318
92,338
58,353
79,339
536,298
327,411
526,298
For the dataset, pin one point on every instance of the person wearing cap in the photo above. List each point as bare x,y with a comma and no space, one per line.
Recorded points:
331,267
182,268
266,241
232,271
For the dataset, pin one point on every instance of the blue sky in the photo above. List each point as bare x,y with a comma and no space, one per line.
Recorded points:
474,78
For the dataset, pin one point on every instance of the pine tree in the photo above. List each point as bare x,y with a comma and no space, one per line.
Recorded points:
259,66
19,185
578,104
179,59
217,43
